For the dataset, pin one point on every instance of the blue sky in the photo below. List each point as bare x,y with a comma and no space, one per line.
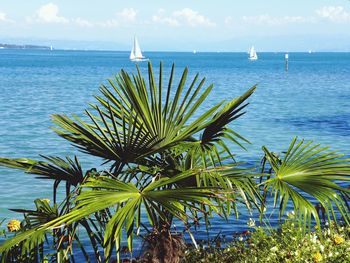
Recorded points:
270,25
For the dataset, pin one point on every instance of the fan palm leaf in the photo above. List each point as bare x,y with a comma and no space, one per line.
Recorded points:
43,213
309,170
55,168
136,119
217,129
102,192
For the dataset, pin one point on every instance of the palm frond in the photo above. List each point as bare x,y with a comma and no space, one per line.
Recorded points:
55,168
102,192
44,213
136,119
104,138
217,129
309,170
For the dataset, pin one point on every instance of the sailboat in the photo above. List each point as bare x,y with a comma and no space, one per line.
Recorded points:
252,54
136,54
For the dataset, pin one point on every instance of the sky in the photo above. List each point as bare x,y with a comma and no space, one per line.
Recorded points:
221,25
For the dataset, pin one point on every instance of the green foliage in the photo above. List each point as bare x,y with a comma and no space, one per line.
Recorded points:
308,169
2,231
56,168
288,243
163,161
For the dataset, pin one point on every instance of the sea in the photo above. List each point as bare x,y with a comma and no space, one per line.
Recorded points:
311,101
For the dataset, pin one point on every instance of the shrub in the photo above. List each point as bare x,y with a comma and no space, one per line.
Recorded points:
289,243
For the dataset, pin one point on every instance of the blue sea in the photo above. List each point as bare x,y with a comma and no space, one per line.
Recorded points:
310,101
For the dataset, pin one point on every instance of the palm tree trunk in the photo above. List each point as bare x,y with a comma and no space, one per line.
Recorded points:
164,247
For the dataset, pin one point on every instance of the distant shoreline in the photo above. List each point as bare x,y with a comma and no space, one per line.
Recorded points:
13,46
37,47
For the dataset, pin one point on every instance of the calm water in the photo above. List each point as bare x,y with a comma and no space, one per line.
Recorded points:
311,101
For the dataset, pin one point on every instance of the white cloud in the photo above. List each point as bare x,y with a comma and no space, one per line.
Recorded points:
228,20
48,14
162,19
3,18
127,15
193,18
83,22
274,21
165,20
109,23
334,13
185,16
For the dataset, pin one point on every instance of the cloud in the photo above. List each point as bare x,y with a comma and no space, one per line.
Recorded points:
274,21
162,19
3,18
193,18
185,16
49,14
334,13
127,15
228,20
165,20
83,22
108,23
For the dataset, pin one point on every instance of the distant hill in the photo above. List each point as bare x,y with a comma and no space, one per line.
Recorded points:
12,46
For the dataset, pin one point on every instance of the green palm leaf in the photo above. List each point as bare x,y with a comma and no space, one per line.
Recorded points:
135,120
217,129
105,139
43,213
102,192
308,169
56,168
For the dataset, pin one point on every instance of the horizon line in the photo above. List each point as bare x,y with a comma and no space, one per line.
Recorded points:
183,51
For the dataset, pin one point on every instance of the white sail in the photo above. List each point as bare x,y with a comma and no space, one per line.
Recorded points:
136,54
132,53
252,54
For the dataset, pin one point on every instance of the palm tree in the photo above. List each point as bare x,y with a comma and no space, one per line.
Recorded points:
162,160
165,161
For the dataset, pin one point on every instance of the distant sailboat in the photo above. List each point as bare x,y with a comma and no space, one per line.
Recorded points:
252,54
136,54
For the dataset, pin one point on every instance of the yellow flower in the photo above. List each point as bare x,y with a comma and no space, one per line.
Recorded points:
14,225
317,257
338,240
45,200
